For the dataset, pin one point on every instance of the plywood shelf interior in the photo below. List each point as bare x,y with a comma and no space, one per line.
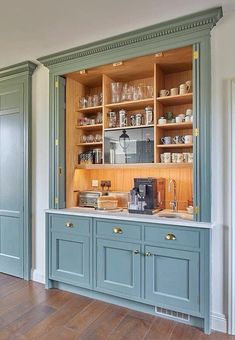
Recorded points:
175,126
91,109
176,100
129,127
135,104
167,146
90,127
88,144
136,165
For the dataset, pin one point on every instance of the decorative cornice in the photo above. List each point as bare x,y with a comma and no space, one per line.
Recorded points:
194,22
24,67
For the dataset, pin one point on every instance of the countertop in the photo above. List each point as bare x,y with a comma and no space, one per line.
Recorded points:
124,215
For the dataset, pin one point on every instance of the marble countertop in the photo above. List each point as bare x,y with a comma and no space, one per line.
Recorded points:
124,215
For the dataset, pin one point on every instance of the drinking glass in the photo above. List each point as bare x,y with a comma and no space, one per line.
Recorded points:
149,91
116,90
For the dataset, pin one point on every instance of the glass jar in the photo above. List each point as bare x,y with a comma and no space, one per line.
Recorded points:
97,156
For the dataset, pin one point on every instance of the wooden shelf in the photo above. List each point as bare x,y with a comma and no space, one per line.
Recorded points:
129,127
136,165
88,144
90,127
176,100
175,126
134,104
90,109
176,146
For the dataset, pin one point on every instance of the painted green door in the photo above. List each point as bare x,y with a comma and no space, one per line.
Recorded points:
172,278
70,258
118,268
11,179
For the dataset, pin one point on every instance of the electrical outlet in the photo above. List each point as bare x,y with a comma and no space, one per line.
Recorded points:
95,183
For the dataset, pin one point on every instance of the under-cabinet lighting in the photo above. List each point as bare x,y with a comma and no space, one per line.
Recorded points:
158,55
119,63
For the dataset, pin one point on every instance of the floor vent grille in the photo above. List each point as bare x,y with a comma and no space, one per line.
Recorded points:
172,314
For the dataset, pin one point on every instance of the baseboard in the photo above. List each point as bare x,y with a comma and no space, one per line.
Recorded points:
219,322
37,276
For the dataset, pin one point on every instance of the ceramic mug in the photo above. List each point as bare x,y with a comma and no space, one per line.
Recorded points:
166,140
162,158
162,120
164,93
185,156
167,157
191,119
180,158
190,157
189,112
177,140
174,91
188,139
189,85
183,89
178,119
187,119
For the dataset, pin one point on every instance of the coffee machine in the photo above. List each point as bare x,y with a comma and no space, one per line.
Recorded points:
147,196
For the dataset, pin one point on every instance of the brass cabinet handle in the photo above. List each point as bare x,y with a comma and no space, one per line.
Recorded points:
148,253
136,252
170,237
69,224
117,230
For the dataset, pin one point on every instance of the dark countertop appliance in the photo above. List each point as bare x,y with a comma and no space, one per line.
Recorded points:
147,196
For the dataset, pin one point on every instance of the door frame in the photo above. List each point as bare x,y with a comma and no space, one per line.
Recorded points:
22,74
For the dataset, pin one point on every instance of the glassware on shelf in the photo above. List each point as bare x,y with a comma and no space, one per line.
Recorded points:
98,137
83,139
116,90
82,102
148,115
124,96
149,91
90,139
99,118
97,156
112,116
122,118
96,100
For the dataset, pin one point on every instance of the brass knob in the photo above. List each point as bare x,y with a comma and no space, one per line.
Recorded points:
69,224
147,253
136,252
117,230
170,237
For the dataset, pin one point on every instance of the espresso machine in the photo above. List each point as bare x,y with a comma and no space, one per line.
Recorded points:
147,196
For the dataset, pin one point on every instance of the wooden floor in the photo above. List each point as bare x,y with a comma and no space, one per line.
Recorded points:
28,311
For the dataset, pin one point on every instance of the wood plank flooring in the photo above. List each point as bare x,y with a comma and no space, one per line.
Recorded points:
28,311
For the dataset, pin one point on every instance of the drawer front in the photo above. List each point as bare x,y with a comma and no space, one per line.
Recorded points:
72,224
119,230
172,236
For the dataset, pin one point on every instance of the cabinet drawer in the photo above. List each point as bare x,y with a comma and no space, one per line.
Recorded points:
73,224
172,236
118,229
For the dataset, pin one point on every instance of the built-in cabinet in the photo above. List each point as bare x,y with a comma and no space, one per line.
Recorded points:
162,266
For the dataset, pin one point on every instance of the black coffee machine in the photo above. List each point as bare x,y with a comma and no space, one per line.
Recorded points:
147,196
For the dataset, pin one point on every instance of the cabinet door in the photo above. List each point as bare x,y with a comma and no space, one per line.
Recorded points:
70,258
172,278
118,267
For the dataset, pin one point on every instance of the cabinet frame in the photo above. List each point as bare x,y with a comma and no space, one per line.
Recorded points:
189,30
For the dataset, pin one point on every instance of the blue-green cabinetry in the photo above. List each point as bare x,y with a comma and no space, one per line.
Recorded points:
153,265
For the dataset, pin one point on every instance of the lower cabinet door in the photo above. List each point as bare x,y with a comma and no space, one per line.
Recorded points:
118,267
70,259
172,278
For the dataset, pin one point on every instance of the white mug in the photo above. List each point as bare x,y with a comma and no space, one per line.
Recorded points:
180,158
174,91
164,93
187,119
190,157
178,119
162,120
189,85
183,88
191,119
162,158
189,112
188,139
174,157
167,157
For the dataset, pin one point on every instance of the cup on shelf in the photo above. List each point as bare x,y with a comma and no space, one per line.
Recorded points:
178,119
90,139
162,120
82,102
177,140
187,139
164,93
190,209
83,139
166,157
99,118
187,119
149,91
122,118
95,100
183,89
189,112
138,119
166,140
148,115
174,91
190,157
174,157
116,92
180,158
98,137
189,85
191,118
185,157
112,117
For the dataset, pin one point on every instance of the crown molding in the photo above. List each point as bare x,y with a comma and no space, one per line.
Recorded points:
27,67
199,21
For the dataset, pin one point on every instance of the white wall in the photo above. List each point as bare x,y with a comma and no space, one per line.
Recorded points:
223,68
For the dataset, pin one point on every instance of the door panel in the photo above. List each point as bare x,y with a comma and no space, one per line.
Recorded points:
11,179
172,278
118,267
70,258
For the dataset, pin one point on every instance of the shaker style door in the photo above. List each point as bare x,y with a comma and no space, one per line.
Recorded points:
172,278
118,268
11,179
70,259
